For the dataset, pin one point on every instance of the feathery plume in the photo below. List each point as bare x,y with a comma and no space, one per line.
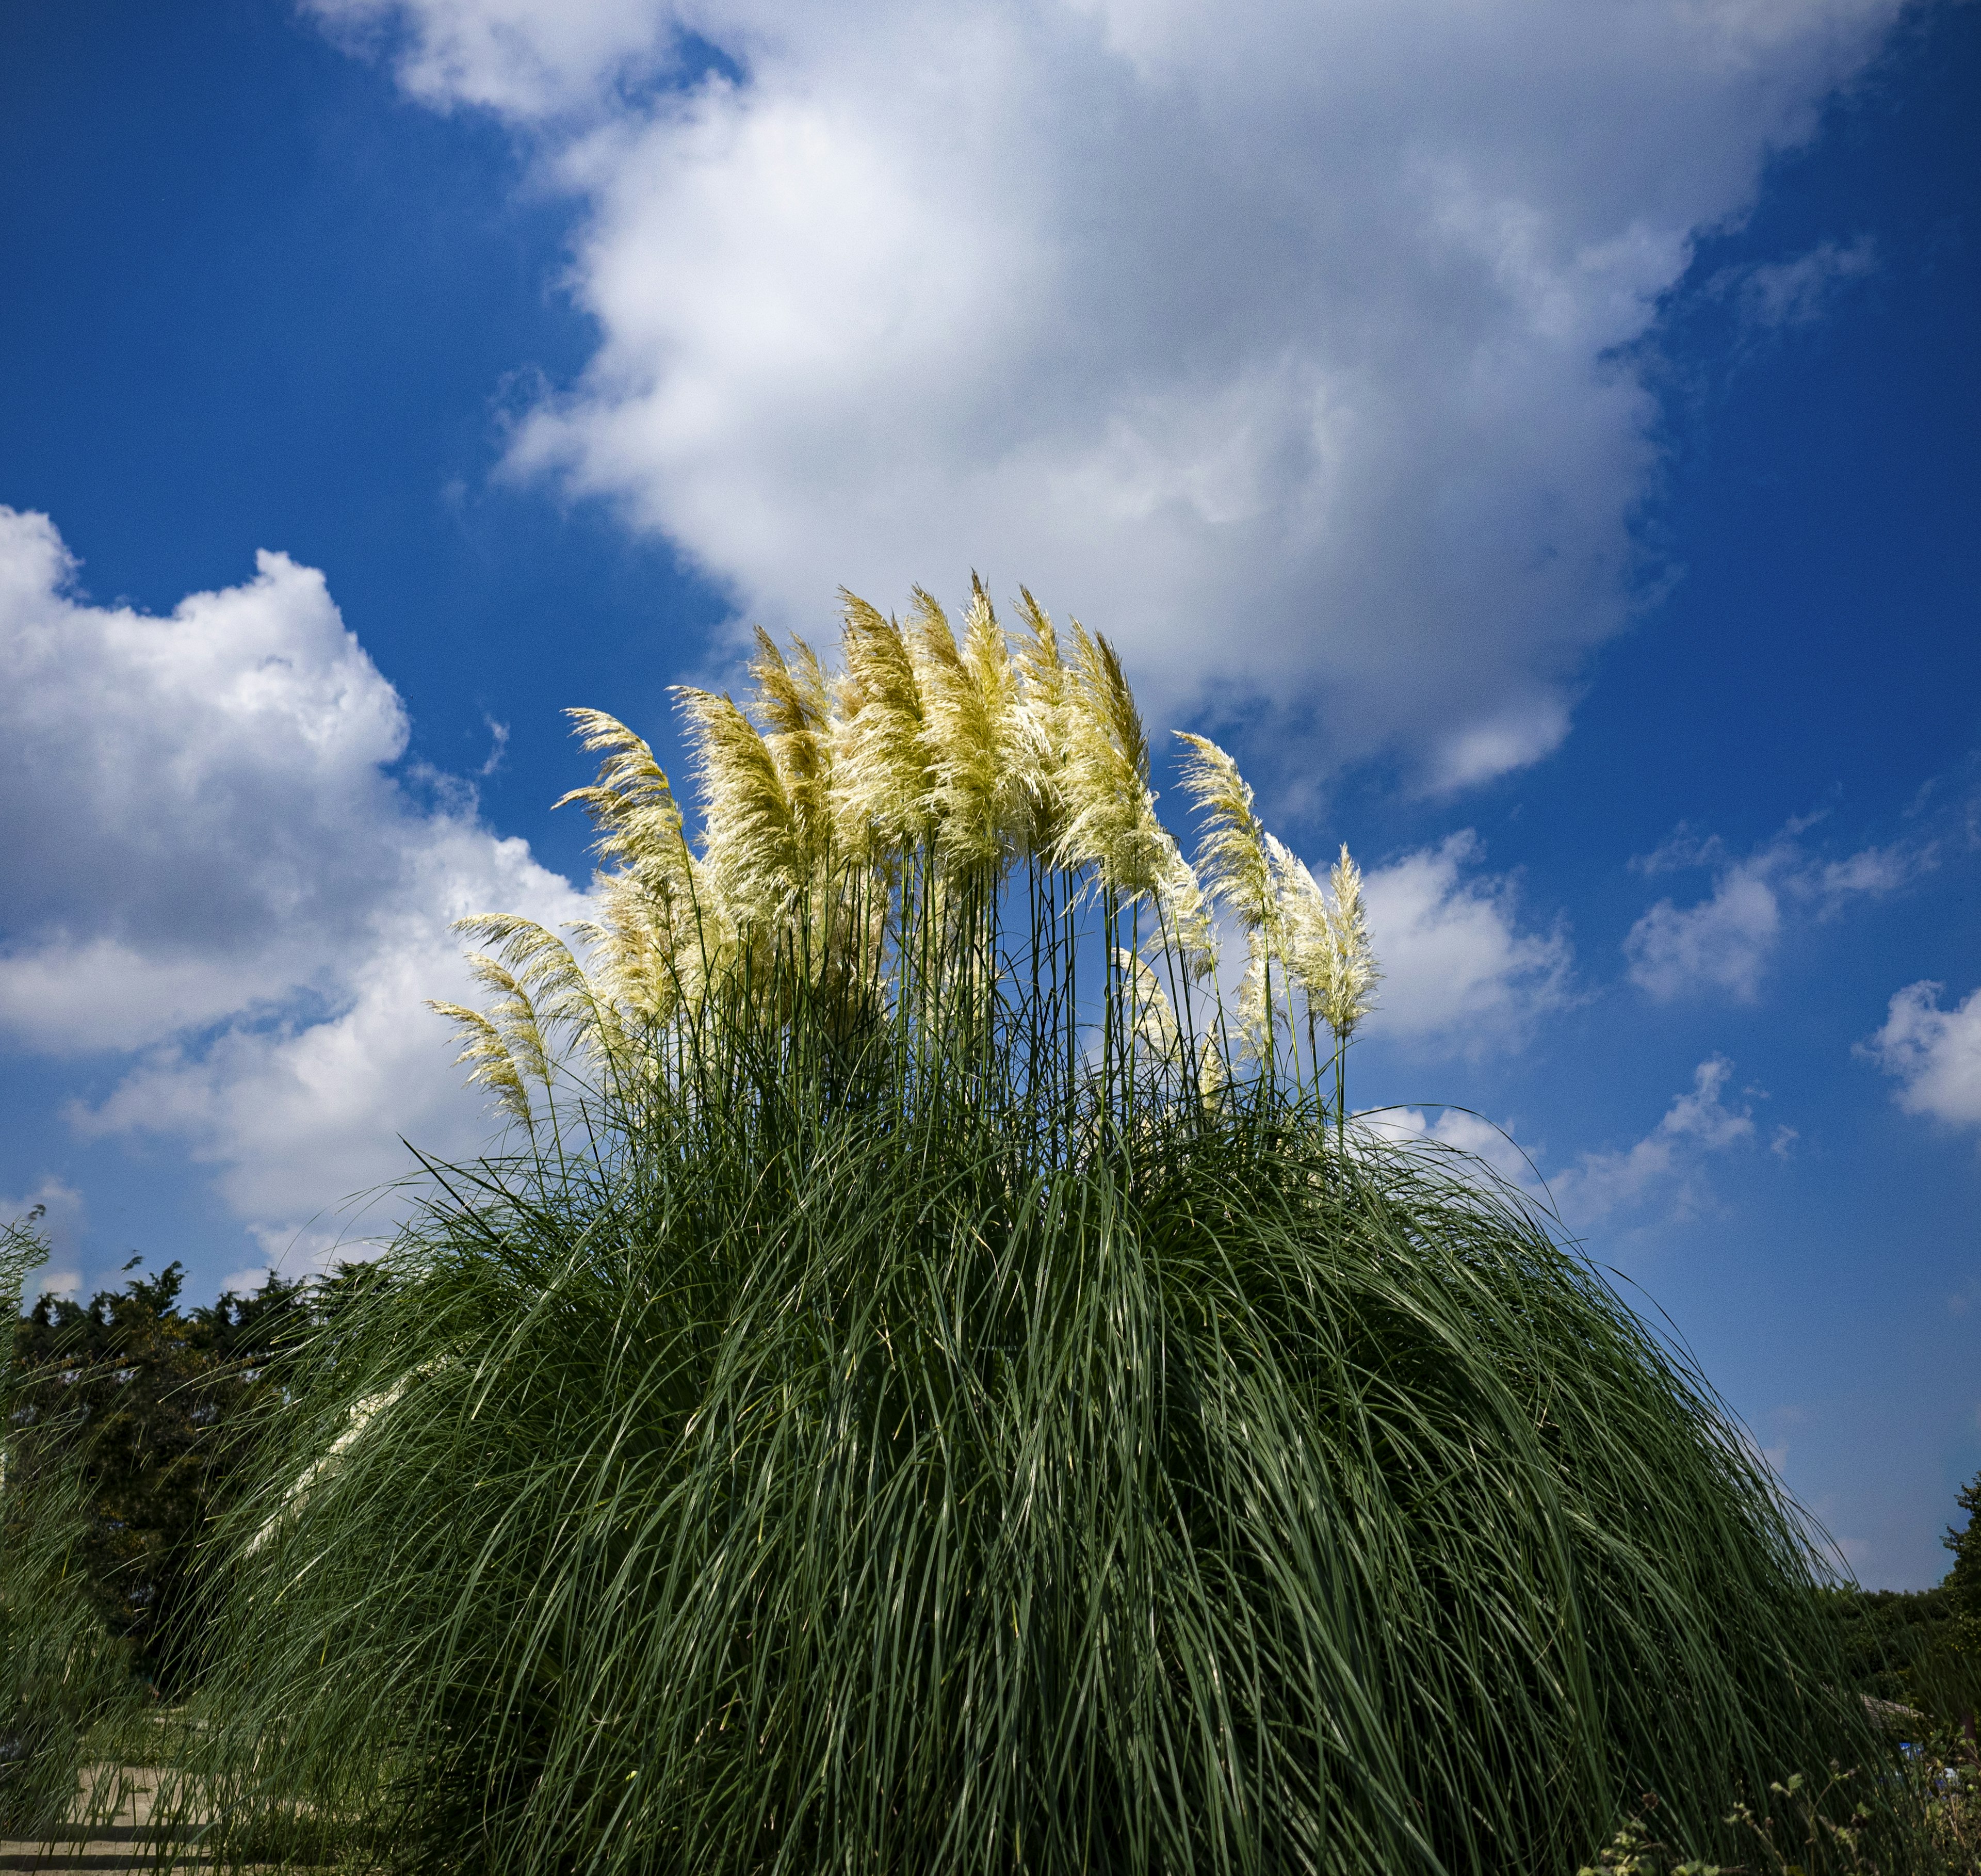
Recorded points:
1186,912
752,848
487,1056
1236,864
793,703
631,804
880,783
506,1042
1232,858
1036,735
1154,1021
1307,933
967,694
1351,990
1112,820
563,996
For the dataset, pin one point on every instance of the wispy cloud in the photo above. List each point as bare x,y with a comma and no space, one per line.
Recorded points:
1725,941
1662,1176
1665,1166
1773,295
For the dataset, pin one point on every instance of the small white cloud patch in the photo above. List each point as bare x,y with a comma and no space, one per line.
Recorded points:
1726,942
1459,972
1934,1054
1664,1165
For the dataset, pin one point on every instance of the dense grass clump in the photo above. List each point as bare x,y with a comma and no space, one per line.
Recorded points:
905,1412
807,1493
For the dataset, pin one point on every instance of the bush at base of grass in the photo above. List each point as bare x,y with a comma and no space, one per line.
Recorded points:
801,1488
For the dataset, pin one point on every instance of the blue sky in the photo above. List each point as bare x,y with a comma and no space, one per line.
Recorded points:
1541,440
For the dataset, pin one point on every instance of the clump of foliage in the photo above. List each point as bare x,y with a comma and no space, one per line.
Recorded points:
60,1671
1920,1650
1962,1588
1908,1648
128,1420
933,1389
148,1405
1924,1818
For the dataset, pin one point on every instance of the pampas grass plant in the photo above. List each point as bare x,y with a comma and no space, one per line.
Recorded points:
925,1393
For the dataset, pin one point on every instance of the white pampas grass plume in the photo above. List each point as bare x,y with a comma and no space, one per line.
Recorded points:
1186,912
1037,733
542,964
1351,990
752,848
1306,933
1111,822
486,1055
1232,858
880,781
793,703
631,804
968,693
1153,1020
1235,861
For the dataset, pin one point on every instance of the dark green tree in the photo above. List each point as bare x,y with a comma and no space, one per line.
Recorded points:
1963,1592
153,1407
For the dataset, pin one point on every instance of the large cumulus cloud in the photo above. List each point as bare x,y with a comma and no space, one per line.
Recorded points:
220,884
1288,342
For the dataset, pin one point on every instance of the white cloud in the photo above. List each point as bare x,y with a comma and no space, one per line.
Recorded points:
1459,972
1934,1054
210,866
1726,942
1467,1131
1287,344
519,56
1722,942
1665,1165
1797,292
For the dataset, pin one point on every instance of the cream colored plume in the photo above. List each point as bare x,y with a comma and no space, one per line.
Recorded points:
968,694
1111,815
1152,1019
636,950
654,925
1234,861
1306,933
540,964
540,990
1232,858
485,1053
1036,735
794,702
881,785
631,804
1351,990
753,849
